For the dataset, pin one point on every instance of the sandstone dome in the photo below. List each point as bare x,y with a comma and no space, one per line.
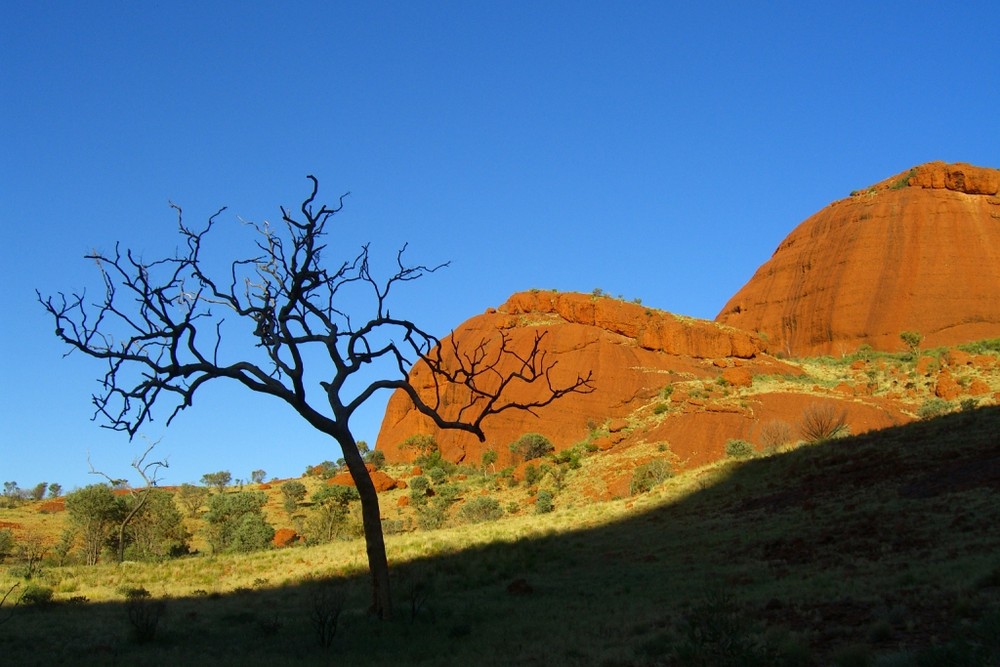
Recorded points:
919,251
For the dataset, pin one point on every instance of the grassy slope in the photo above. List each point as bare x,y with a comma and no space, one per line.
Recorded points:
878,545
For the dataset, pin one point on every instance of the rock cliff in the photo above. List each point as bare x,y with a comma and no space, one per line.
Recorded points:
917,252
634,352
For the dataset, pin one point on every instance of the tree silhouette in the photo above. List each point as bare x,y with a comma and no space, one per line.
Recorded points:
159,329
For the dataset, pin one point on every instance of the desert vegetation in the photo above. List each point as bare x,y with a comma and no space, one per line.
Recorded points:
869,549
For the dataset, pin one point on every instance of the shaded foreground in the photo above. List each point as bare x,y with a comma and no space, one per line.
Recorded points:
877,549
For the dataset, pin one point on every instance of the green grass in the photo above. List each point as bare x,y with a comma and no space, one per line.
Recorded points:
884,544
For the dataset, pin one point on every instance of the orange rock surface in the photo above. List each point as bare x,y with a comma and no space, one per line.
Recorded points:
633,351
917,252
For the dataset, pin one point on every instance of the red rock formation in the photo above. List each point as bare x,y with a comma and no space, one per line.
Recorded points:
382,481
633,351
284,537
917,252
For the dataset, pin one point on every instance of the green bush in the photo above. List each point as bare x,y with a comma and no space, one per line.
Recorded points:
235,522
532,474
437,475
531,446
419,486
543,503
376,457
36,594
482,508
739,449
649,475
933,407
661,408
6,543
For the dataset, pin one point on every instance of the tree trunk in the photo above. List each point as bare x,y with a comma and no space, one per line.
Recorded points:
371,516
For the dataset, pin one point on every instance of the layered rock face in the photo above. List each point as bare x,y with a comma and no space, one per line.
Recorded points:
917,252
633,351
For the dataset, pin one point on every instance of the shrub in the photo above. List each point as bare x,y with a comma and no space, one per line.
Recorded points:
543,503
143,613
774,434
437,475
376,457
912,341
332,508
236,522
531,446
739,449
419,486
481,509
292,492
36,594
933,407
649,475
192,497
6,543
661,408
532,474
822,422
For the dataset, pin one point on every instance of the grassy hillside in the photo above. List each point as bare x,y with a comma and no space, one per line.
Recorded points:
875,549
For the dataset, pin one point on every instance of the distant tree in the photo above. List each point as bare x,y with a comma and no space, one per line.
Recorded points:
157,530
95,511
912,340
257,476
131,508
220,480
331,506
363,447
6,543
293,492
12,494
235,522
376,458
159,330
55,490
192,497
531,446
38,491
489,459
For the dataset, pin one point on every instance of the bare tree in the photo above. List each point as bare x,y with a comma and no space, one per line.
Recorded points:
159,328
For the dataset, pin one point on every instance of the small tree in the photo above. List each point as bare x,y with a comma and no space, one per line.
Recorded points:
235,522
55,490
739,449
331,508
38,491
138,497
912,340
489,458
531,446
257,476
95,511
161,331
192,498
157,530
293,492
220,480
6,543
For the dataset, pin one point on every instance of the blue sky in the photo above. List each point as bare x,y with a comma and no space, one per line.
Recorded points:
656,150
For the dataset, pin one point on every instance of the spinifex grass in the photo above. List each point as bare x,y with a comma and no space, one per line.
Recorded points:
877,544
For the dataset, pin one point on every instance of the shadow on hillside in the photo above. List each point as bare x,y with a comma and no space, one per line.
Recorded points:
873,543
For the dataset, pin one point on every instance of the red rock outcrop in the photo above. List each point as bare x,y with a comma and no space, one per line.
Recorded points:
633,352
917,252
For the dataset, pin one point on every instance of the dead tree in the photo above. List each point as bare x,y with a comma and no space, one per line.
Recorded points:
159,328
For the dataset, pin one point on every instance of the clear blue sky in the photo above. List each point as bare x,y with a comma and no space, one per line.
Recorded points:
658,150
